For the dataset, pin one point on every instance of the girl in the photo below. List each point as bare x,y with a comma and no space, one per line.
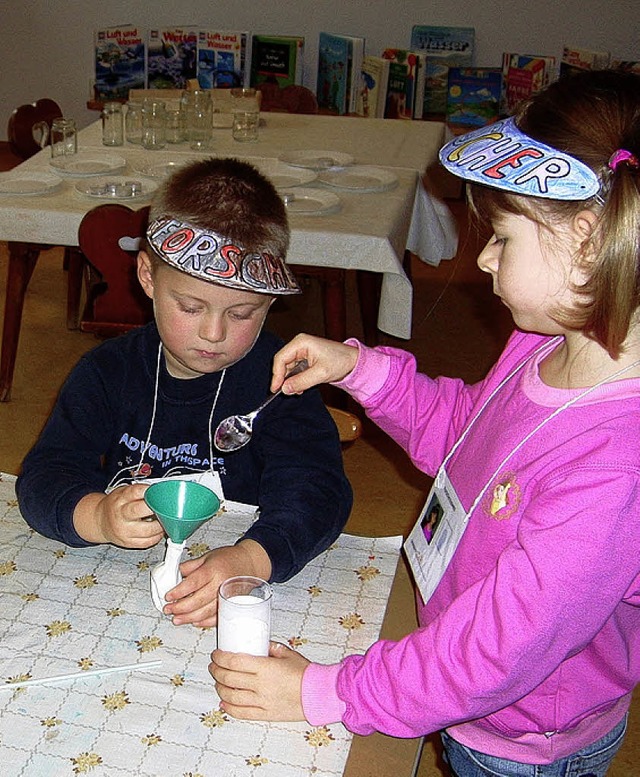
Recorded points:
529,645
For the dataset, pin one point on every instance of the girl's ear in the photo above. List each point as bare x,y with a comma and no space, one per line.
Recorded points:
583,224
145,273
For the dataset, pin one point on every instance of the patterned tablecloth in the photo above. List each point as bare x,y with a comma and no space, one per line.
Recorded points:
66,610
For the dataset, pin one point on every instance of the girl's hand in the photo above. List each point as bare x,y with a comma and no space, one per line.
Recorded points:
254,688
121,518
329,362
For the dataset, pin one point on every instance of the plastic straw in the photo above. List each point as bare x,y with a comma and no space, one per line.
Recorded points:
79,675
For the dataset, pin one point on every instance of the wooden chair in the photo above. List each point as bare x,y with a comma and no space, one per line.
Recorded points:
115,302
26,138
349,425
24,143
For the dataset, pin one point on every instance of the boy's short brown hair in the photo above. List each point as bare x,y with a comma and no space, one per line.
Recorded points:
227,197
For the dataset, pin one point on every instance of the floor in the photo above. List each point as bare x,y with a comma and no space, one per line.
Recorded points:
459,329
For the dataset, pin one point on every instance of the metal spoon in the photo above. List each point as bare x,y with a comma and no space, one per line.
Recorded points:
235,431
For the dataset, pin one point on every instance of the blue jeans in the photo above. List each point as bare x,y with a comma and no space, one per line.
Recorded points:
591,761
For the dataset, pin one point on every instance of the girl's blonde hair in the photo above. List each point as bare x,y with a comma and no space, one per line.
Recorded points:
589,116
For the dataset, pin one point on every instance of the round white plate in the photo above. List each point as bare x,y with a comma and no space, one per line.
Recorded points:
317,160
161,170
117,187
83,164
360,179
285,176
28,183
310,202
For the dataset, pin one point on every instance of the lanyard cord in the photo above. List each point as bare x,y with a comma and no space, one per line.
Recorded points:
536,429
114,483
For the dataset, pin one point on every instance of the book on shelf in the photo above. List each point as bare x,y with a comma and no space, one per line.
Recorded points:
416,78
474,95
374,79
119,61
278,59
575,59
171,57
397,89
444,47
522,76
627,65
224,58
339,68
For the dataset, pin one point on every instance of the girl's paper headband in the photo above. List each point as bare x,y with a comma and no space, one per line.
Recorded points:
501,156
217,259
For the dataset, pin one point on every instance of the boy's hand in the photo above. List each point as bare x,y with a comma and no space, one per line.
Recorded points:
328,360
195,599
117,518
253,688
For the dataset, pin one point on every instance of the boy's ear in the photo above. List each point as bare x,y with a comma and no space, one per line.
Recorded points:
145,273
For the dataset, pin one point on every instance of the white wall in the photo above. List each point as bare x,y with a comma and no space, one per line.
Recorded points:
46,46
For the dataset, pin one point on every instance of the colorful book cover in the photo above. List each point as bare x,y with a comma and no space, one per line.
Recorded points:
223,59
473,96
416,61
339,68
278,59
397,87
626,65
373,87
522,76
171,57
120,61
576,59
444,47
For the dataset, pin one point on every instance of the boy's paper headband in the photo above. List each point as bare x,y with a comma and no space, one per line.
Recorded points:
501,156
216,259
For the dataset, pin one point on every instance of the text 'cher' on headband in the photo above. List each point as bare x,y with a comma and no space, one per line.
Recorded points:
501,156
217,259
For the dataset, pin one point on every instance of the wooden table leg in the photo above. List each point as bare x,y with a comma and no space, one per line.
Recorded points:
369,285
75,263
22,261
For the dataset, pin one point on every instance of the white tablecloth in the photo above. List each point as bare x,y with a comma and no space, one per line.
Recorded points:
370,231
70,610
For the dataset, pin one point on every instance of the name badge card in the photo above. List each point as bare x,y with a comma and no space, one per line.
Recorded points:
433,540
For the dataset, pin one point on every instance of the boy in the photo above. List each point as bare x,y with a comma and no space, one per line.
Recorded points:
146,405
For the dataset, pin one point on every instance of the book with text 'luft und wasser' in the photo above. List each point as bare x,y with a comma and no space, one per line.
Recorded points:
223,58
444,47
120,60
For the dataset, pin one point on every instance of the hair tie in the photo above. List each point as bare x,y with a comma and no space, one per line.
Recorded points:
625,157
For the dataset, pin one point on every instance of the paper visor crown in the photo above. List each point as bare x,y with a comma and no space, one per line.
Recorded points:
217,259
501,156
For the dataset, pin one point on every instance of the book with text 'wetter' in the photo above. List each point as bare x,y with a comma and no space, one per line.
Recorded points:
171,57
277,59
339,69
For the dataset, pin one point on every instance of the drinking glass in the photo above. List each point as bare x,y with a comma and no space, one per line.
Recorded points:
244,615
200,127
133,122
175,123
112,124
198,112
245,106
64,137
154,125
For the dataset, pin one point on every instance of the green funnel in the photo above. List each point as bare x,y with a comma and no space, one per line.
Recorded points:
181,506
